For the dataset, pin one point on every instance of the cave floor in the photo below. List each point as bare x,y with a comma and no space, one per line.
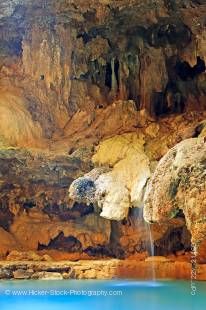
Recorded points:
152,267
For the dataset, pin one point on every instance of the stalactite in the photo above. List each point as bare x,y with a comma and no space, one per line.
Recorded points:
114,80
122,81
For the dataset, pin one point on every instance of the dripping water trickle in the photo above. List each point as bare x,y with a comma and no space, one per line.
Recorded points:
151,245
149,242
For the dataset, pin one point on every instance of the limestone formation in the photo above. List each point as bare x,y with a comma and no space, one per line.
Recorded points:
16,124
68,65
121,188
178,184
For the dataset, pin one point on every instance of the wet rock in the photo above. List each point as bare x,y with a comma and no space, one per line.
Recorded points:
76,75
44,275
178,183
6,273
135,268
121,188
68,275
22,274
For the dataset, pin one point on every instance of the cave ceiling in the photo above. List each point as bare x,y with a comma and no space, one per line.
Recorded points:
110,19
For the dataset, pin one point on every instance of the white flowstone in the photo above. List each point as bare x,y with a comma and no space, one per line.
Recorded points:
117,189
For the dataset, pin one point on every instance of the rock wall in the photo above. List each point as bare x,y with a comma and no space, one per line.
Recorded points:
71,57
178,184
92,95
37,214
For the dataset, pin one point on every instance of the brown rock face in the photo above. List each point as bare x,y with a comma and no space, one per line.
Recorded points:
73,74
68,57
178,184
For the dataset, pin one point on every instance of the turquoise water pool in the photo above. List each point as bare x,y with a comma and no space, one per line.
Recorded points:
94,295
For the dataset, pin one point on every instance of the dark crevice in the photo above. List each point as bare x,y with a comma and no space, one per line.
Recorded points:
64,213
180,214
198,2
186,72
68,244
158,106
102,251
198,130
6,217
168,102
116,71
108,75
169,32
170,5
175,102
85,37
28,204
176,239
90,15
83,209
98,251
